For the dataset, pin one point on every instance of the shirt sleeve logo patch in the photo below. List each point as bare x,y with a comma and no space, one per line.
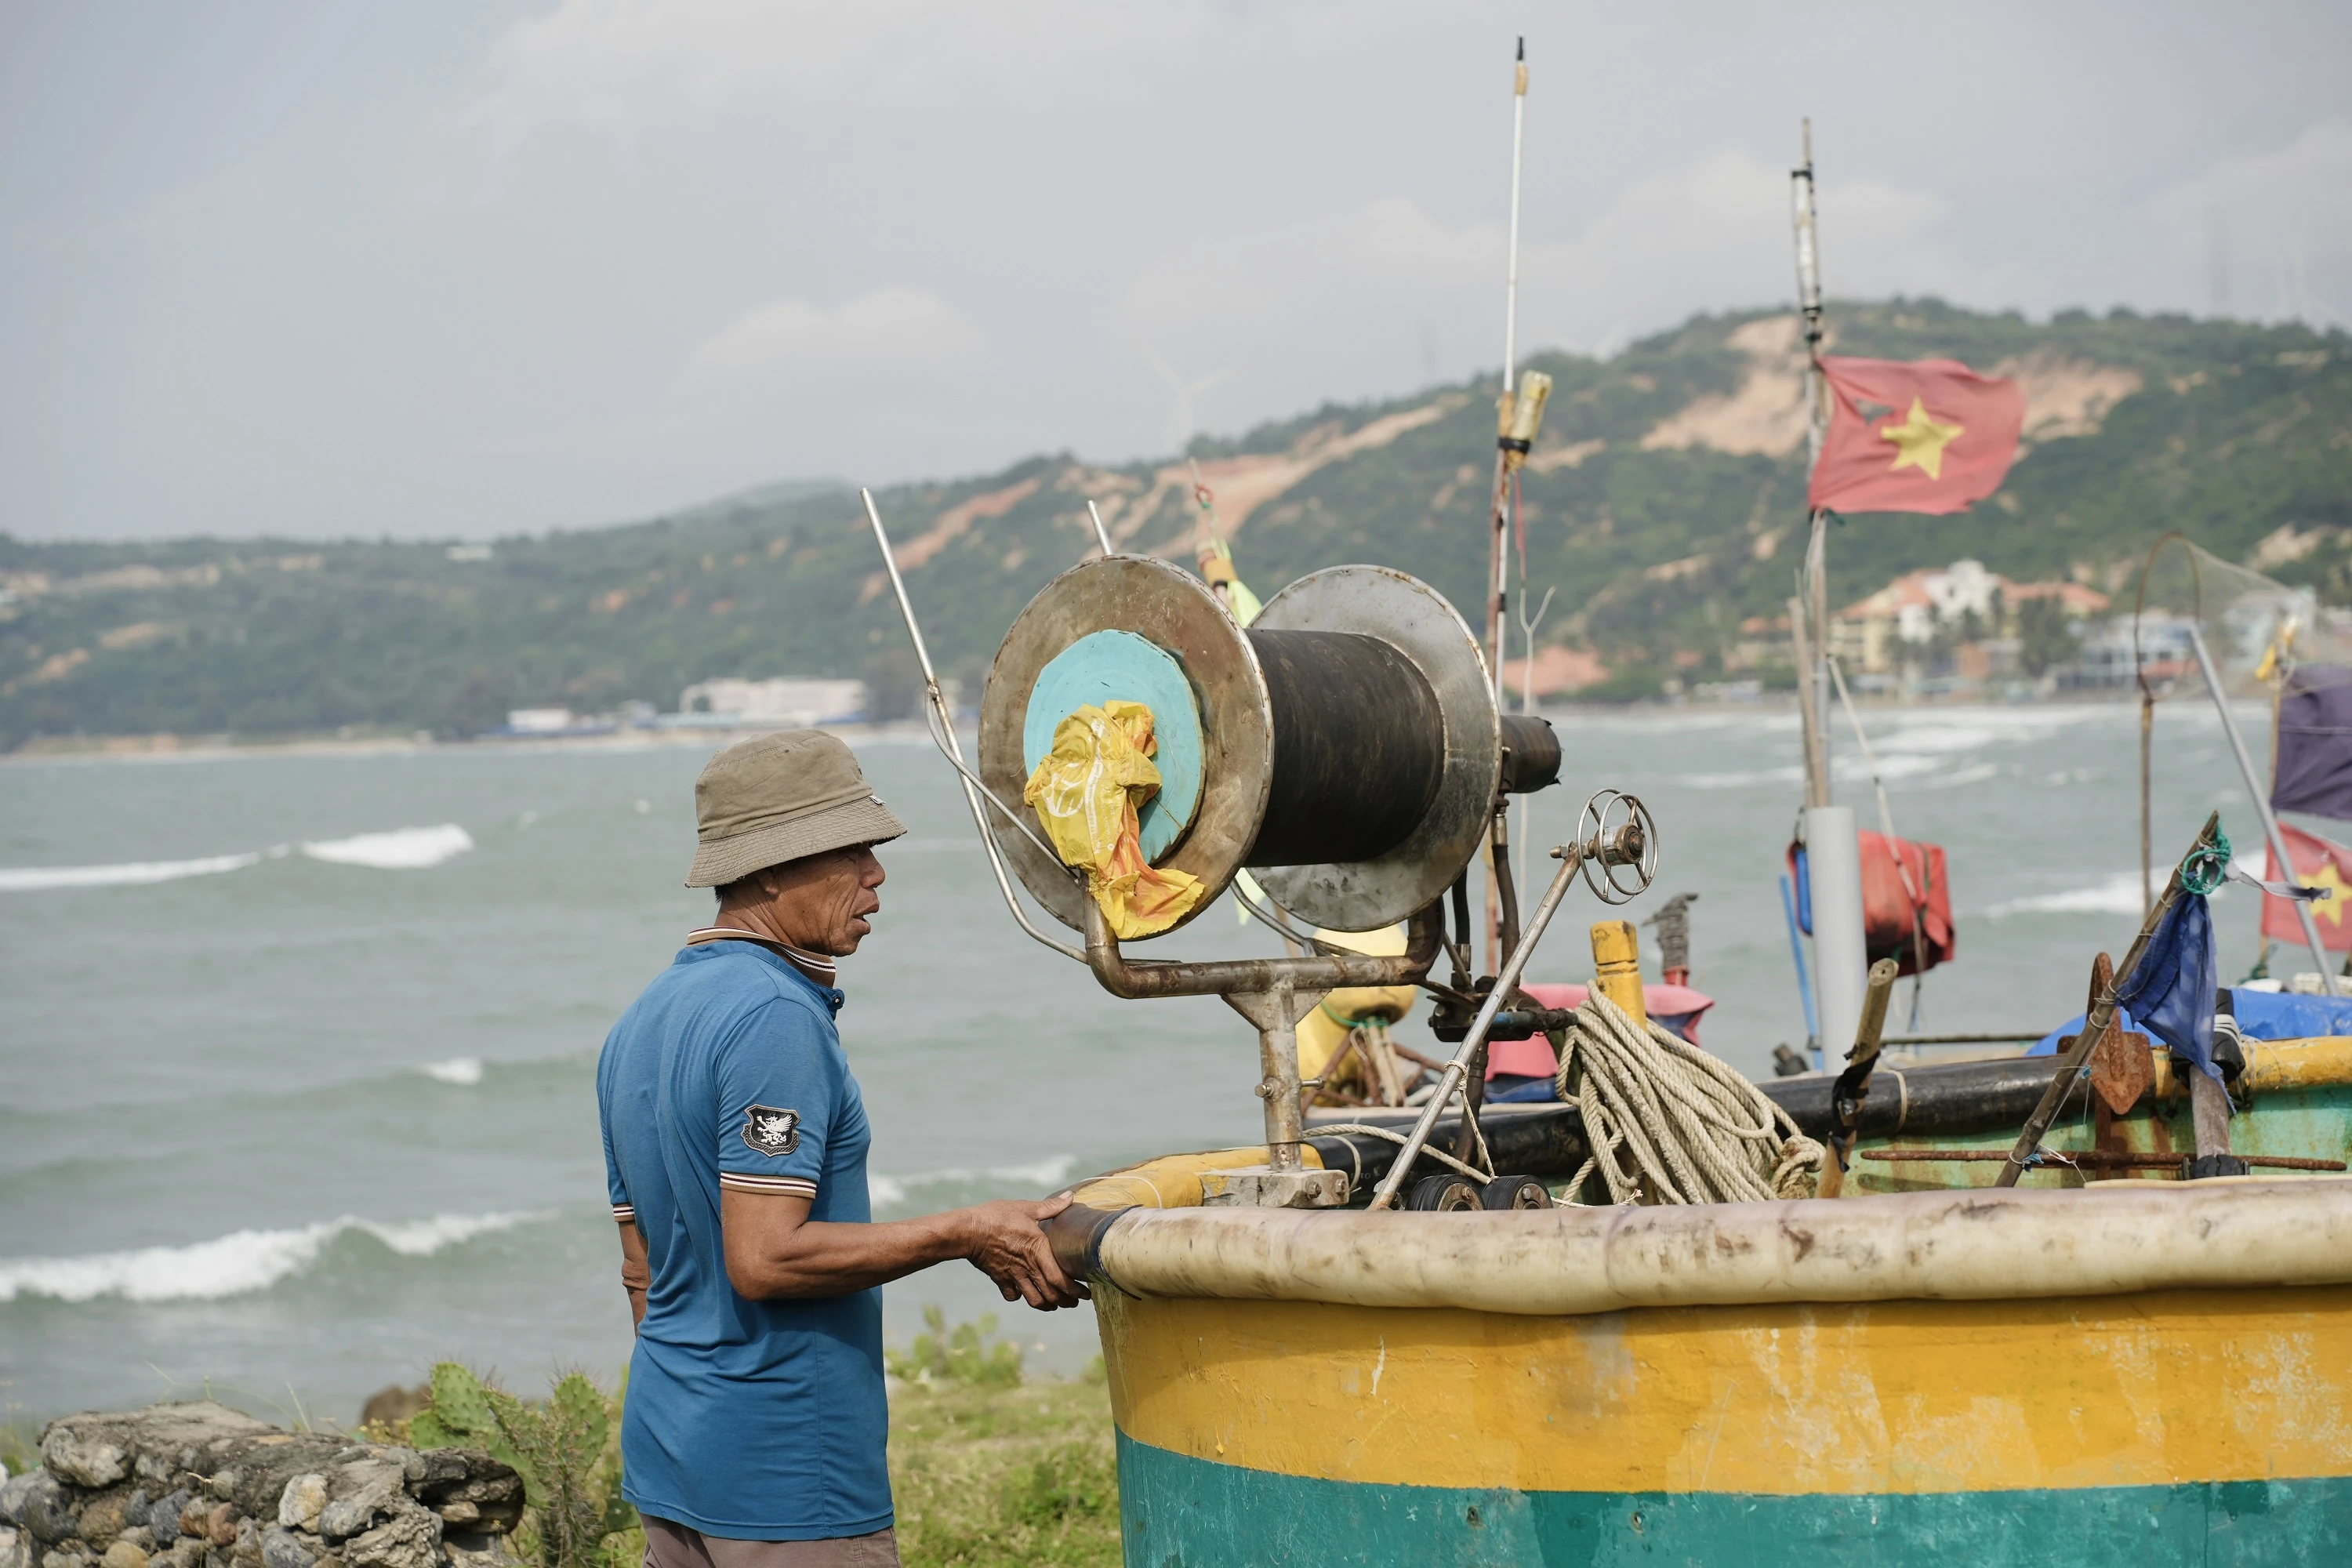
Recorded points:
768,1130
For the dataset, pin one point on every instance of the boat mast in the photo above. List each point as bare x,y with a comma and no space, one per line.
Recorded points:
1813,682
1832,851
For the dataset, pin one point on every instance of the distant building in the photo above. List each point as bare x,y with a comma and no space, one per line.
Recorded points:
539,720
786,704
1898,624
2118,652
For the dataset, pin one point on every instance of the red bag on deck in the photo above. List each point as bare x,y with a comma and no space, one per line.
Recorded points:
1888,910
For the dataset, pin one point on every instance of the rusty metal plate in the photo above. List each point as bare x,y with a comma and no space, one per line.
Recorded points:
2121,1069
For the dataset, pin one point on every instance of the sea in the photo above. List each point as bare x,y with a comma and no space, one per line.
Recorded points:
297,1049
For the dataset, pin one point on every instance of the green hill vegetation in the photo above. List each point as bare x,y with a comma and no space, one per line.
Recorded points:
1664,502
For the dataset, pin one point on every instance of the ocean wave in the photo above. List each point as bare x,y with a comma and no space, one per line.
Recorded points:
463,1071
1975,773
2116,895
1750,779
133,873
886,1190
401,850
234,1265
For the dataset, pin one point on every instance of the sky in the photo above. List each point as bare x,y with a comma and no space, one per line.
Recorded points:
457,270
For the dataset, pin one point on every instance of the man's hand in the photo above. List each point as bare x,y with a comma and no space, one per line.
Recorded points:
1007,1243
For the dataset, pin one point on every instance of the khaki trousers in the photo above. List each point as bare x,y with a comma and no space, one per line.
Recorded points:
669,1546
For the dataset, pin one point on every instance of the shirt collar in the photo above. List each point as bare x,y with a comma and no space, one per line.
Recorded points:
815,966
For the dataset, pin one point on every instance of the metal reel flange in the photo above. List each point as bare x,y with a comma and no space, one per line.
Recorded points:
1413,618
1174,611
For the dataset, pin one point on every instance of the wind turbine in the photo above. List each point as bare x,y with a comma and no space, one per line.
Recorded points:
1179,431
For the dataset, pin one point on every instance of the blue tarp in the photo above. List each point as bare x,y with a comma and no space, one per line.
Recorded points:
2261,1015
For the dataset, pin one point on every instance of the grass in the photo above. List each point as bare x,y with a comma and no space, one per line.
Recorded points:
989,1475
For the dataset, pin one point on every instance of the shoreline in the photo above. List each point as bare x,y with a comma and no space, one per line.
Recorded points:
170,747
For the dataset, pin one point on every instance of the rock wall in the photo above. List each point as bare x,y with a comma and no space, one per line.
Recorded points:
199,1485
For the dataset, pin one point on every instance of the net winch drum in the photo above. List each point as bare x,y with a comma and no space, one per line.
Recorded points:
1345,748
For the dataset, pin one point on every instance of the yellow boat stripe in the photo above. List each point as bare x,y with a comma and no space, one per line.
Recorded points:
2158,1388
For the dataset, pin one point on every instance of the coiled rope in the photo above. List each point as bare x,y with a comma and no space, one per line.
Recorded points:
1668,1123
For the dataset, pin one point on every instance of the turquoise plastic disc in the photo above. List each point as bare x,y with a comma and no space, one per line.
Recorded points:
1104,666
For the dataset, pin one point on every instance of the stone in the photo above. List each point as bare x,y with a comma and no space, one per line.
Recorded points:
457,1511
195,1516
13,1492
103,1519
47,1510
123,1554
247,1553
163,1516
65,1557
362,1489
141,1537
16,1547
281,1548
220,1526
299,1504
411,1538
89,1462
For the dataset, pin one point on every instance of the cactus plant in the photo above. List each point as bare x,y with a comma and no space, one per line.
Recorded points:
562,1447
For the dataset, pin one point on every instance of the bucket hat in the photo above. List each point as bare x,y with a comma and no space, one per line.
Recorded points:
780,798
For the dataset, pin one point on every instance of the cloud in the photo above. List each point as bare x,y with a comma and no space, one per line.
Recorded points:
620,67
2270,233
1342,293
886,326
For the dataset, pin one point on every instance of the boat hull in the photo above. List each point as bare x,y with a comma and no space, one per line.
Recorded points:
2202,1426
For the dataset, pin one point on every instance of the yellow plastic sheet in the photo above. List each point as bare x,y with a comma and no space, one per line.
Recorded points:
1325,1028
1088,793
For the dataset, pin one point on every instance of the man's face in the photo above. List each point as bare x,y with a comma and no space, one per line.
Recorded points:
825,903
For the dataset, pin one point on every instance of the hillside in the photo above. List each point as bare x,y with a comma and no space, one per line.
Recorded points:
1665,501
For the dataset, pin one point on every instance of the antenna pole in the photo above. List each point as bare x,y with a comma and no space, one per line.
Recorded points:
1499,560
1814,683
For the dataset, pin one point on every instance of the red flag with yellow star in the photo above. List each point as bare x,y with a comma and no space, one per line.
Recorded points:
1927,434
2317,864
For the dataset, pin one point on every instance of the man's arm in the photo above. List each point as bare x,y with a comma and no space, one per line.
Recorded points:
636,1274
775,1253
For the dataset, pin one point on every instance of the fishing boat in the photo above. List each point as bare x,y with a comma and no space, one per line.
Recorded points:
1878,1314
2104,1362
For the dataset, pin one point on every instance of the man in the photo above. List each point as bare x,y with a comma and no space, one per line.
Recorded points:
735,1144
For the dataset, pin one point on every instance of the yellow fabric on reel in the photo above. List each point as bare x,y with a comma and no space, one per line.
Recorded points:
1088,791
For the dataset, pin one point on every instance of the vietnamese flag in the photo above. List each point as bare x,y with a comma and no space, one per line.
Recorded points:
1943,435
2317,864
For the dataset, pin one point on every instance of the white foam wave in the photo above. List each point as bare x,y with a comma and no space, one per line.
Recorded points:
885,1190
463,1071
1977,773
1751,779
2117,895
133,873
401,850
234,1265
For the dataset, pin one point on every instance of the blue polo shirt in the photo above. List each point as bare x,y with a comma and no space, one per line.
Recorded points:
748,1420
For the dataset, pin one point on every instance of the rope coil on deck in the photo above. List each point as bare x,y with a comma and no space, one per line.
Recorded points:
1694,1131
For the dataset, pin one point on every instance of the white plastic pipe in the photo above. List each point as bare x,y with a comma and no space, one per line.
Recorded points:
1841,968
